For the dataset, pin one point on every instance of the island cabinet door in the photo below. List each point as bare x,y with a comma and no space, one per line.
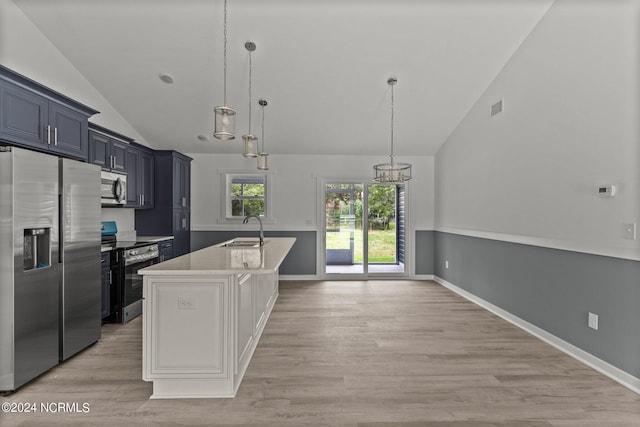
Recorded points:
245,292
186,320
265,298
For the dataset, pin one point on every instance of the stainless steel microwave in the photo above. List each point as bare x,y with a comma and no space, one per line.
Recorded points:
113,189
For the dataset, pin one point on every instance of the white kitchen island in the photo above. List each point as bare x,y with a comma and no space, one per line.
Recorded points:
203,314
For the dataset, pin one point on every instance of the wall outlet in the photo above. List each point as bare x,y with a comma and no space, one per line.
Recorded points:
186,303
593,321
606,190
446,264
630,231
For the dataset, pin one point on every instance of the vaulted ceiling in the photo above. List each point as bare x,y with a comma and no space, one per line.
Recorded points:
322,65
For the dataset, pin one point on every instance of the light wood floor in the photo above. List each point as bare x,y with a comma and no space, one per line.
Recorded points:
365,354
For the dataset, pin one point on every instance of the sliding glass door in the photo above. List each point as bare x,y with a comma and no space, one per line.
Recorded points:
363,229
344,224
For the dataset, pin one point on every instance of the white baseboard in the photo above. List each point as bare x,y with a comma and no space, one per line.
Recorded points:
423,277
285,278
616,374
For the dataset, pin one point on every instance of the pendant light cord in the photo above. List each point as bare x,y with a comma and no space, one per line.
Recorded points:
250,66
225,52
262,141
392,124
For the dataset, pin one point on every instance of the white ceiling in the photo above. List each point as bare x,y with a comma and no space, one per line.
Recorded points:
321,64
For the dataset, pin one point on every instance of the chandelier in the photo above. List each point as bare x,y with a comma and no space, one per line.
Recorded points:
392,172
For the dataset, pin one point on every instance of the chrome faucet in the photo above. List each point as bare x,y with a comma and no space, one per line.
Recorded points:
246,220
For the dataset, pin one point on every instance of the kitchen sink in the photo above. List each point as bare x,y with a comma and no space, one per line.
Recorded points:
242,244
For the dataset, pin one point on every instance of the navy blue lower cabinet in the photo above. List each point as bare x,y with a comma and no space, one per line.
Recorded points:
166,250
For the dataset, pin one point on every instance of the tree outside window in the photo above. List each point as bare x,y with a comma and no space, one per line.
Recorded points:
247,195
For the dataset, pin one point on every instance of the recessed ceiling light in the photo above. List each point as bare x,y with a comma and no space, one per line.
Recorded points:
167,78
203,138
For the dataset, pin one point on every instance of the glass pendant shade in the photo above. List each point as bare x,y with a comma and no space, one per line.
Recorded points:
250,146
392,173
225,123
262,162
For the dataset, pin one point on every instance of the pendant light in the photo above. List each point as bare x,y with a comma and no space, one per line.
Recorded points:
392,172
262,156
250,141
225,117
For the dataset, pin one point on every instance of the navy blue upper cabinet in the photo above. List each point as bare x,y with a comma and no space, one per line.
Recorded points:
133,194
140,164
146,178
35,116
171,212
69,130
108,149
24,115
181,182
100,150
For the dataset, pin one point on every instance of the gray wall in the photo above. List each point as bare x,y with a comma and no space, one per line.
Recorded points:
425,252
300,261
554,290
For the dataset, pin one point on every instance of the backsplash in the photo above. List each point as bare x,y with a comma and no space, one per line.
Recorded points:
124,218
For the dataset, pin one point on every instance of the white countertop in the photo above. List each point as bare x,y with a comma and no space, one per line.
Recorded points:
217,260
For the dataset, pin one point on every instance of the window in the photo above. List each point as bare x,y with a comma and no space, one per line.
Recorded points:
246,195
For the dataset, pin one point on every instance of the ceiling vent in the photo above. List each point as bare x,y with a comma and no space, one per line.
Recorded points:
496,108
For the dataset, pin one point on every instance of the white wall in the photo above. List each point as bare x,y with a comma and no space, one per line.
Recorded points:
570,123
24,49
295,187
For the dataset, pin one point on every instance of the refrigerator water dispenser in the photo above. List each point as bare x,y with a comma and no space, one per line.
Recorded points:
37,248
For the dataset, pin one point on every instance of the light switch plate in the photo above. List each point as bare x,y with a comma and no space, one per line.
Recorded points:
593,321
630,231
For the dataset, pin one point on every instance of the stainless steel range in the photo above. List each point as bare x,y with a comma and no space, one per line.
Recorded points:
135,259
131,256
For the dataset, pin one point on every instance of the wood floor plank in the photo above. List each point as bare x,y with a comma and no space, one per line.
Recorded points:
352,354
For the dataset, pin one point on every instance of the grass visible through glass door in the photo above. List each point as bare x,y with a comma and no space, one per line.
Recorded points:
382,244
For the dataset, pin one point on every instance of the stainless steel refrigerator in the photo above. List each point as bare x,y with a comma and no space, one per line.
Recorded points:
49,262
